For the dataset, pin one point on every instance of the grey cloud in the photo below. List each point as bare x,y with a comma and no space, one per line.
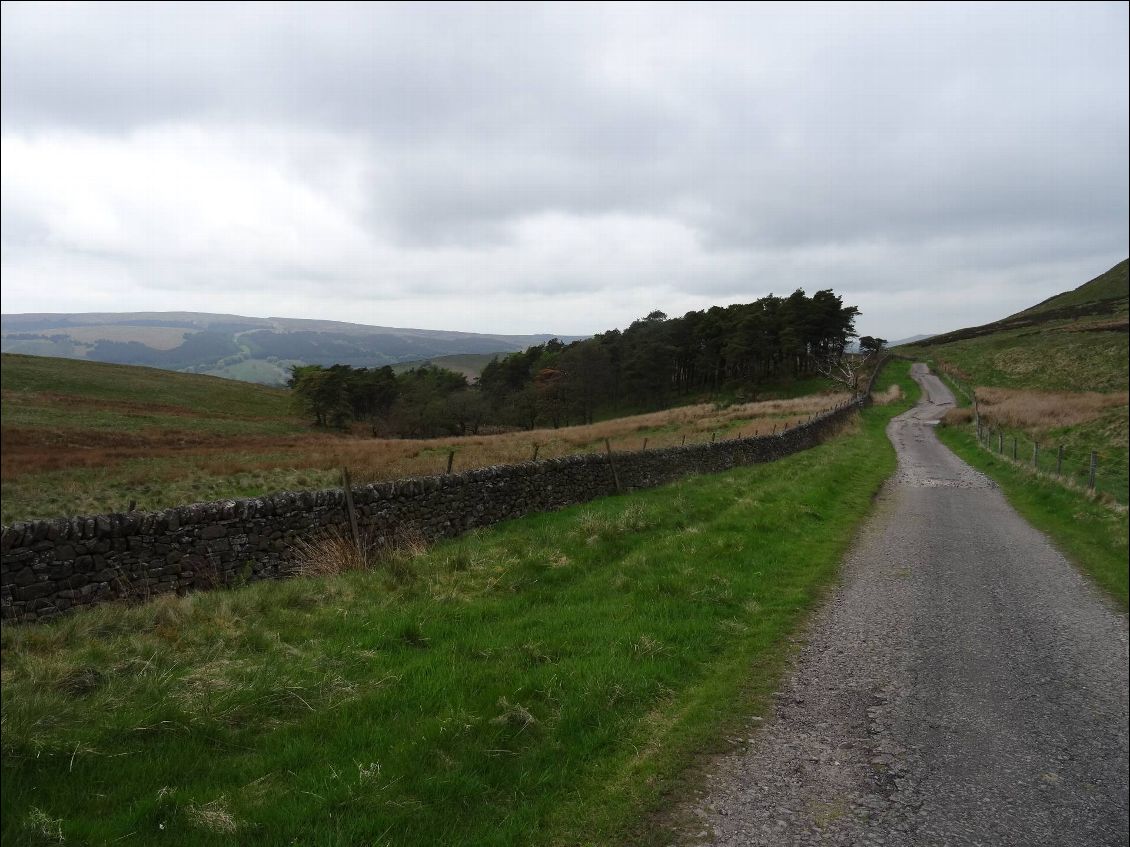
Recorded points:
773,133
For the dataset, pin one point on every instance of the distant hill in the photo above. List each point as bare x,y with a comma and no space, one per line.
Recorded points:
469,364
258,350
911,340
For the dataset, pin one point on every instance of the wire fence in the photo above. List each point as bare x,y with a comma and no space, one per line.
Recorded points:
1078,467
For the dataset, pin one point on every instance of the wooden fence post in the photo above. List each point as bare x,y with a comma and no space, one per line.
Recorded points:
450,459
347,485
1059,461
1000,441
712,436
534,458
644,444
1014,453
1036,455
1094,467
684,444
612,465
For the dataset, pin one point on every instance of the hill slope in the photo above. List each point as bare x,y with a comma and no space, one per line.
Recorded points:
1108,288
251,349
1056,374
1073,341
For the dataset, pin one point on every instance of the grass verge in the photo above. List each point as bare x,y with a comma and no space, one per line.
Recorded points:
1091,534
540,683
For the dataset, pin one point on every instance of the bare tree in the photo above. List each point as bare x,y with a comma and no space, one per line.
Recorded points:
848,369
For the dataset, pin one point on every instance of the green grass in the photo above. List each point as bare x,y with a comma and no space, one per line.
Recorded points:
541,683
1091,534
1046,359
151,484
48,387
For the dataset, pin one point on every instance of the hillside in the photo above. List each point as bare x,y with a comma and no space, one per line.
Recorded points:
1073,341
1056,374
53,401
252,349
469,364
87,437
1109,288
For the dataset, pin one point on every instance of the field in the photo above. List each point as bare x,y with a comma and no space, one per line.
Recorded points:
545,682
1055,375
161,439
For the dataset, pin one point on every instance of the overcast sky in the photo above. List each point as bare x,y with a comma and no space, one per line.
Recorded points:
560,168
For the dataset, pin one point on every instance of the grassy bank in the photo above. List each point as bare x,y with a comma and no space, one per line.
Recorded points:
539,683
1090,533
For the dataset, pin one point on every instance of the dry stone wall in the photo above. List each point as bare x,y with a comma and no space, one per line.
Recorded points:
50,566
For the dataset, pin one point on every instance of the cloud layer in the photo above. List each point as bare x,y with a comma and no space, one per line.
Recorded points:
563,168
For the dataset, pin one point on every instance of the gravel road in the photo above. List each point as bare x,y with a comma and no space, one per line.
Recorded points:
964,685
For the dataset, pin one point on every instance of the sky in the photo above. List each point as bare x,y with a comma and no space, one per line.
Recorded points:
560,168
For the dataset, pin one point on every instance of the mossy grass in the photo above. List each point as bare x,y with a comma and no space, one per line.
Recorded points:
540,683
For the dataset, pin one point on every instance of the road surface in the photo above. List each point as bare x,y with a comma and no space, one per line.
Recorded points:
965,685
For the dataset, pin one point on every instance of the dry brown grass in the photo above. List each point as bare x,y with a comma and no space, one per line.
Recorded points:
332,551
885,398
373,459
1043,410
958,416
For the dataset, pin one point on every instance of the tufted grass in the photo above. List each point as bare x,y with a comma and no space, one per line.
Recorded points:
544,682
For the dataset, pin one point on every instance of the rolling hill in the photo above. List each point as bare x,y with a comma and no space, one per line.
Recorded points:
251,349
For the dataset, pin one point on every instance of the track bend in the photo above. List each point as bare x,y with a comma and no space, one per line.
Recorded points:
964,685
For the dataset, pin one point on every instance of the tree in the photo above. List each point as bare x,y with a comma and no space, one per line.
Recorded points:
847,368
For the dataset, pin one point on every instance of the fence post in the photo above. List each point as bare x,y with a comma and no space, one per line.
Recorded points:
1000,441
1059,461
534,458
347,485
712,437
1014,453
1036,455
1094,467
612,465
450,459
645,444
684,444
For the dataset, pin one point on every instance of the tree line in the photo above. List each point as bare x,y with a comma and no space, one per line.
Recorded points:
653,364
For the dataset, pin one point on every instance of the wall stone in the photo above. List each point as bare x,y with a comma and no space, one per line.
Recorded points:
51,566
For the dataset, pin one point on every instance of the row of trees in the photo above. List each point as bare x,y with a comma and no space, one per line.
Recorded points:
650,365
